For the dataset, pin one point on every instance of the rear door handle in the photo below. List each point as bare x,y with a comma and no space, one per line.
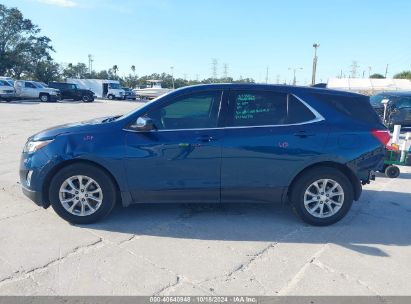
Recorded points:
206,138
303,134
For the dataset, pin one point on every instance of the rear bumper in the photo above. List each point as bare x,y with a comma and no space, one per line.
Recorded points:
7,95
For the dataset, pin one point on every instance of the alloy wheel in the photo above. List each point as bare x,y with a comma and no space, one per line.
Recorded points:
81,195
323,198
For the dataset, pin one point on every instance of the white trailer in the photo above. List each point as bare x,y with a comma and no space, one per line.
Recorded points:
102,88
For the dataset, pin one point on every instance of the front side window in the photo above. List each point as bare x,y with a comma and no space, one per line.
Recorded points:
198,110
259,108
30,85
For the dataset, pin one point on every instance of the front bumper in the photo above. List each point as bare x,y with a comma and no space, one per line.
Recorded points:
35,196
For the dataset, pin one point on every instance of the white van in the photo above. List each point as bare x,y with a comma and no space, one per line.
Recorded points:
102,88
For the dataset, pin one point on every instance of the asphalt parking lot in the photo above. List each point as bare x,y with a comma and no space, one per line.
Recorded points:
193,249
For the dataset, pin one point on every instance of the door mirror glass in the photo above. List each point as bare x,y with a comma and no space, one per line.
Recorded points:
143,124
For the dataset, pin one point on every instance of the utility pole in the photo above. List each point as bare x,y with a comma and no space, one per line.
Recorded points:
315,46
369,72
386,71
172,75
294,72
214,65
225,71
266,76
354,67
185,76
90,63
278,78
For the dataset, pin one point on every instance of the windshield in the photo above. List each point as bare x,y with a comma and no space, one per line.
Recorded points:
376,100
115,86
73,86
4,83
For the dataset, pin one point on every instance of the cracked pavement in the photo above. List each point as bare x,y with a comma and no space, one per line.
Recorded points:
194,249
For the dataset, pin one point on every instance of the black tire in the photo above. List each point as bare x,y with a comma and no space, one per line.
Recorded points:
106,184
111,97
44,97
86,98
392,171
299,187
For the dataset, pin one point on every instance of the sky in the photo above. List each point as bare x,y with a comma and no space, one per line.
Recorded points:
248,36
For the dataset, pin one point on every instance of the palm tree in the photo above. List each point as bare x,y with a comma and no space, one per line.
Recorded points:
115,69
133,69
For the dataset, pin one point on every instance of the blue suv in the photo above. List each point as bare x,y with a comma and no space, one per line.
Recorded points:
218,143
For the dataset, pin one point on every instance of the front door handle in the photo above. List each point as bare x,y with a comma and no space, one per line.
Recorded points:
303,134
206,138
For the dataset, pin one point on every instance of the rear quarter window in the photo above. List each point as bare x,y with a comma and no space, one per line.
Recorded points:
356,107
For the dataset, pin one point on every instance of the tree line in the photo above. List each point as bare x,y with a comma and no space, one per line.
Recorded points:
26,53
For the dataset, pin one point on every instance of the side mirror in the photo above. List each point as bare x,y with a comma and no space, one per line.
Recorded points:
144,124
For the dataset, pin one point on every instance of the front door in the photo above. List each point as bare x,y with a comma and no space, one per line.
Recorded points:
179,161
269,136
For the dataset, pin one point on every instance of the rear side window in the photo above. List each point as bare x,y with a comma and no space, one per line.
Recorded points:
358,108
258,108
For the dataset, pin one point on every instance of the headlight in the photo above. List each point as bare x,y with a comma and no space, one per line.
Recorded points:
33,146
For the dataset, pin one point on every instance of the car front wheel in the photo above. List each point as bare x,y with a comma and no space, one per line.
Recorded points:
322,196
82,193
45,97
85,98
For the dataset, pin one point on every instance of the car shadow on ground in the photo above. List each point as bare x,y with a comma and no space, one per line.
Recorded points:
379,219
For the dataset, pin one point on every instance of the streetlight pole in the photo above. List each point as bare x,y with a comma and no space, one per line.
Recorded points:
315,46
172,75
294,72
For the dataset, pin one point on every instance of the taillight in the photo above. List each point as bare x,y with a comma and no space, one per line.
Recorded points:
382,135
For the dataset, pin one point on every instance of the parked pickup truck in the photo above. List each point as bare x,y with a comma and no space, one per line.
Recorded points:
30,89
72,91
7,92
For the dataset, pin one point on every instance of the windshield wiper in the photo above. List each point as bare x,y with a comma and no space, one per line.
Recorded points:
110,119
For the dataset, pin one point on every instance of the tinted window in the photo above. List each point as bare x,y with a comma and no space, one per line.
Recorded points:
4,83
254,108
404,102
376,100
55,85
199,110
357,107
30,85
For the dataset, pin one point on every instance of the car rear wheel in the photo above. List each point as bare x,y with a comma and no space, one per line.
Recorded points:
322,196
82,193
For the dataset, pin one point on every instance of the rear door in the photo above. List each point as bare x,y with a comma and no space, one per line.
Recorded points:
269,136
